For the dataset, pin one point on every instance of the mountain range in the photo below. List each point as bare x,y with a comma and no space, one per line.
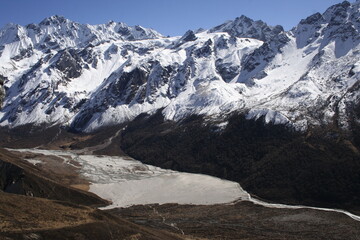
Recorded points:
85,77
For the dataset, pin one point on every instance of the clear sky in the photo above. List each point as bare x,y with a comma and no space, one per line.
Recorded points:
169,17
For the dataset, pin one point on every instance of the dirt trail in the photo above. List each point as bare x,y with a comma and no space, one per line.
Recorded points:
171,225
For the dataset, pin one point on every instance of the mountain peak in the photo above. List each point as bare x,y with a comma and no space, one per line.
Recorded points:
53,20
244,19
57,32
112,23
316,17
337,13
188,36
246,27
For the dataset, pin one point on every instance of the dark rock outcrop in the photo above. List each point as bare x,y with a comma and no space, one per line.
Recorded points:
69,63
2,90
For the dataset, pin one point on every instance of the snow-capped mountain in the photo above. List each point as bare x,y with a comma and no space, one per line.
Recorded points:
62,72
57,32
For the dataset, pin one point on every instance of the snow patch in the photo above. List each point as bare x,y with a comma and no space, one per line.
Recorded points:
270,116
34,161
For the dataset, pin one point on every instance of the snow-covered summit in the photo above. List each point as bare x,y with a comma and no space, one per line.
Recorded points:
57,32
62,72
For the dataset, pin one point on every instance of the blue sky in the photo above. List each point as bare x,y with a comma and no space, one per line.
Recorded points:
169,17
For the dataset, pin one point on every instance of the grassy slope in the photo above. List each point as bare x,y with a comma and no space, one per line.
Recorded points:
35,218
56,211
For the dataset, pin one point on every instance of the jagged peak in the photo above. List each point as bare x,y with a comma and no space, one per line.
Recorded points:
188,36
54,20
230,23
316,17
339,21
199,30
337,13
112,23
11,32
247,20
244,26
67,33
344,5
11,25
244,18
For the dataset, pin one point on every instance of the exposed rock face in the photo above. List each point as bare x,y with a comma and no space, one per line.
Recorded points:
2,90
69,64
188,36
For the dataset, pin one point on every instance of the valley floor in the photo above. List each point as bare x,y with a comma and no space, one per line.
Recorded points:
218,209
244,220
